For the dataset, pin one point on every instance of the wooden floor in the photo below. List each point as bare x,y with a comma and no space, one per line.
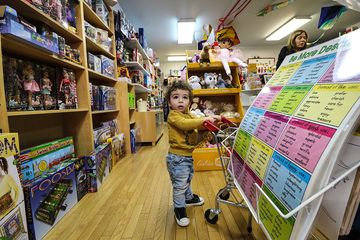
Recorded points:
135,202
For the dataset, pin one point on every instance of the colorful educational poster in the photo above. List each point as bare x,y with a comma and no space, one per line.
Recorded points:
270,127
283,74
277,227
311,70
254,116
286,180
304,142
266,96
258,157
289,98
342,71
329,103
242,143
247,182
293,145
238,164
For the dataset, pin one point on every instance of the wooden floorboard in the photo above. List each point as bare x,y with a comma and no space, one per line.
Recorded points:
135,202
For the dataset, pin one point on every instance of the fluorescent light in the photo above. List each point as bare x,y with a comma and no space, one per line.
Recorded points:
176,58
186,28
288,28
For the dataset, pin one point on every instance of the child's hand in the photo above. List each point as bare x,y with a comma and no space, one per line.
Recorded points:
217,117
213,118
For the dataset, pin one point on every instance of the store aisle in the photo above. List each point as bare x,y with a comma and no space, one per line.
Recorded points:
135,203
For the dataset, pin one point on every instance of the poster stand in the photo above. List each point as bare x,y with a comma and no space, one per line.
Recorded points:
293,136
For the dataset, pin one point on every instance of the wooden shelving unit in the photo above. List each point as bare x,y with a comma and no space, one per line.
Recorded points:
37,127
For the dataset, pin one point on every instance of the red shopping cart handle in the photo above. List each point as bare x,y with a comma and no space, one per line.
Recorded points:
210,126
225,120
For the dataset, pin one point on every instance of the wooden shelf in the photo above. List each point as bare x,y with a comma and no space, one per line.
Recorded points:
132,122
140,88
134,43
216,92
251,90
212,66
14,45
137,66
33,13
43,112
96,75
95,48
104,111
95,20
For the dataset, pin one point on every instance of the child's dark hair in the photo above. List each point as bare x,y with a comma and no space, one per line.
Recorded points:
178,85
4,164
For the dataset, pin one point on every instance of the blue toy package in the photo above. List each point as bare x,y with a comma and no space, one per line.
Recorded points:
108,98
107,66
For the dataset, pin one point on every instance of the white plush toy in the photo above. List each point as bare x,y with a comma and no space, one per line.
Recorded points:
195,110
210,80
229,111
194,82
225,56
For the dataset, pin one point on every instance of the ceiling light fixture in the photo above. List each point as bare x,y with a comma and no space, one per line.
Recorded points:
176,58
288,28
186,28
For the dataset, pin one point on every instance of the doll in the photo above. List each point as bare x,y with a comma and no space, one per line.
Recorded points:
65,81
16,86
46,86
30,85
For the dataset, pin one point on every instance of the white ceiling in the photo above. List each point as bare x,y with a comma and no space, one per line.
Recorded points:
159,18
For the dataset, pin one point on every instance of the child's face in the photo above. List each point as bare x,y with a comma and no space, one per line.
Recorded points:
179,100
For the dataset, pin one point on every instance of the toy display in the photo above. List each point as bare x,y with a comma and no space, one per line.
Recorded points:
82,178
208,106
12,214
49,199
229,111
108,98
107,66
194,82
67,95
39,161
98,166
31,87
48,87
113,125
101,134
13,85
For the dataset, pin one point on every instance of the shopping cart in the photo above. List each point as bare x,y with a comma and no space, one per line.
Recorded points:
224,135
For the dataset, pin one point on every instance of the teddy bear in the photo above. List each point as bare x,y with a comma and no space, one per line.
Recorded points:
229,111
195,108
194,82
205,55
210,80
209,108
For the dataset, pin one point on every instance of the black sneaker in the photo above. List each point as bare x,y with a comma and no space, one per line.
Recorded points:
195,201
181,217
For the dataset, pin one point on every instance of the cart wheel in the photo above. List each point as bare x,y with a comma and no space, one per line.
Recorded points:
249,229
211,217
224,195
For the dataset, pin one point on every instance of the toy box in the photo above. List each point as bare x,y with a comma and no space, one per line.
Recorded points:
108,98
48,87
12,209
107,66
131,97
118,148
36,161
96,97
101,134
48,199
102,11
114,129
206,159
98,166
91,63
9,24
82,178
13,225
97,64
90,31
67,90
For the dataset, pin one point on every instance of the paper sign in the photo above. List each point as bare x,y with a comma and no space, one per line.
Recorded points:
242,143
266,96
329,103
286,180
304,142
238,164
247,182
258,157
277,227
253,117
270,127
283,74
289,98
311,70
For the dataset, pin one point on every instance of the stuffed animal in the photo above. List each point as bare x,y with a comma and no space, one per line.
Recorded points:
209,109
229,111
224,55
195,111
207,138
194,82
205,55
220,82
195,58
210,80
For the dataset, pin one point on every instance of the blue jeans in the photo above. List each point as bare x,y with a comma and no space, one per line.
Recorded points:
181,171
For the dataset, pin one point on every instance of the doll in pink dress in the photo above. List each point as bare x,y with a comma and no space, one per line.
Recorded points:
30,85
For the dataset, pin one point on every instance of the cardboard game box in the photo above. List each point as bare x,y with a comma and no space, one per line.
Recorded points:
48,199
12,217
